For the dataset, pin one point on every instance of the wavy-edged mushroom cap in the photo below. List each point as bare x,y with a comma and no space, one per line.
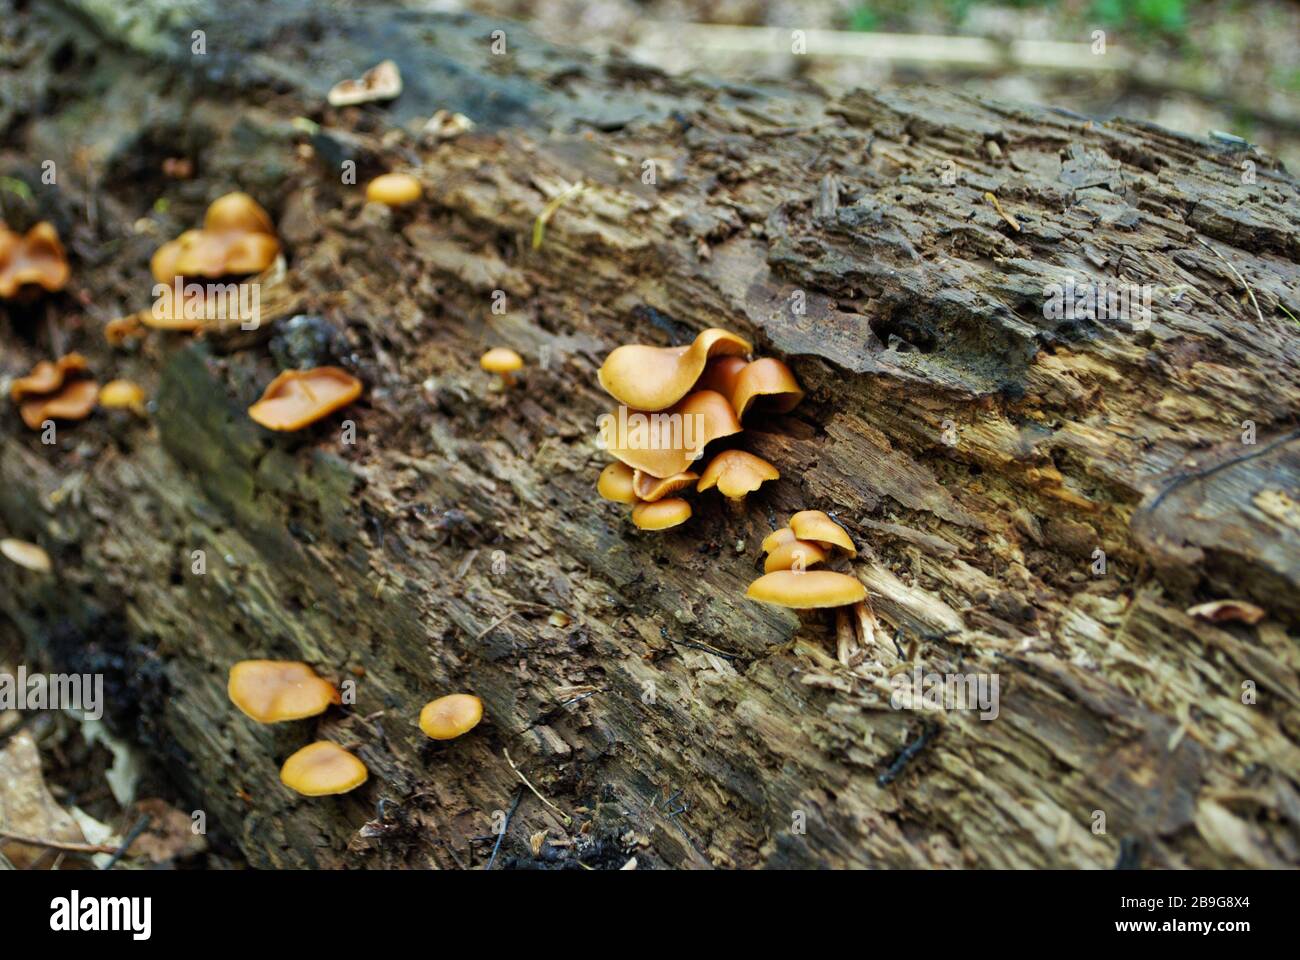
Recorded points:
34,259
650,488
73,401
807,590
448,717
383,81
768,381
27,555
237,238
655,378
665,443
736,473
122,395
323,768
776,538
615,483
237,212
793,553
394,189
298,398
47,376
720,374
815,525
273,691
661,514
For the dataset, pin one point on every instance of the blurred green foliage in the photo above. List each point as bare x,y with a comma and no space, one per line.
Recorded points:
1167,17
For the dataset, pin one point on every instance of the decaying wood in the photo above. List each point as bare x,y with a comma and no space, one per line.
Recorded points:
981,455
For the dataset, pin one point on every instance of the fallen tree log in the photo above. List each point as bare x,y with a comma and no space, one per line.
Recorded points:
1037,497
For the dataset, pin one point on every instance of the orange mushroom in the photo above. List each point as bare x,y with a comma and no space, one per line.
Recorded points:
73,401
650,488
323,768
504,362
661,514
815,525
47,376
448,717
654,378
768,381
122,395
721,374
298,398
787,552
36,259
736,473
237,238
273,691
616,483
393,189
807,590
665,443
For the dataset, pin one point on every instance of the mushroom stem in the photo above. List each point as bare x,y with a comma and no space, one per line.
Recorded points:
507,379
735,506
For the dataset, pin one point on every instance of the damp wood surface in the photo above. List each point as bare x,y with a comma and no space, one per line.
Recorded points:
978,452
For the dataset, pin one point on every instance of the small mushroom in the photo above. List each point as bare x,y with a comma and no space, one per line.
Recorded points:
721,373
815,525
323,768
237,238
504,362
445,125
298,398
786,552
769,382
654,378
73,401
122,395
381,82
46,377
451,716
36,259
393,189
807,590
664,444
616,483
661,514
273,691
650,488
27,555
736,474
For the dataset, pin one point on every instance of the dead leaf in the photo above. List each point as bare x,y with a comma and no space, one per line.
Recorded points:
169,836
26,805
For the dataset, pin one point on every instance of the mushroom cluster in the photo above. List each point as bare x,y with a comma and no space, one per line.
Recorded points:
31,260
675,401
55,390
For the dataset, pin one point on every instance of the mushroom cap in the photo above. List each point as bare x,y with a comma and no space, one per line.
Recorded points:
661,514
736,473
237,212
448,717
792,552
27,555
47,376
273,691
381,82
394,189
297,398
323,768
655,378
768,381
73,401
650,488
665,443
501,360
720,374
815,525
36,259
807,590
616,483
776,538
122,395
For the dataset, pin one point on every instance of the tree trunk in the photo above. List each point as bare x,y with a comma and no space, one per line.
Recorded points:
1037,497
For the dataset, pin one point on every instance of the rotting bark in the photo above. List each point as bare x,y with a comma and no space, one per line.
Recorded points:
687,725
